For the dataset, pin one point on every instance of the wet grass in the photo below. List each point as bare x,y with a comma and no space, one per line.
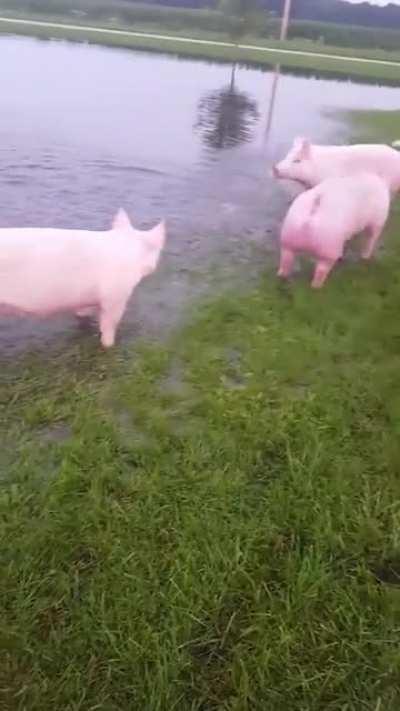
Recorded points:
213,523
247,54
378,125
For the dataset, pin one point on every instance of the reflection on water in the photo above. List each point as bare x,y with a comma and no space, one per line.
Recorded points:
272,101
85,129
226,116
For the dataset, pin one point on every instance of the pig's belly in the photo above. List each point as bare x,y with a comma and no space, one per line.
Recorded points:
23,295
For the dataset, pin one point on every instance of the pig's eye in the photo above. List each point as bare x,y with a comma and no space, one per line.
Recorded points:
297,160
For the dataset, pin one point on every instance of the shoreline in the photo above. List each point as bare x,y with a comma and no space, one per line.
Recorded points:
383,70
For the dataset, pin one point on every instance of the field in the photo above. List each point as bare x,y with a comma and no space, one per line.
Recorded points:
377,65
205,30
212,522
262,25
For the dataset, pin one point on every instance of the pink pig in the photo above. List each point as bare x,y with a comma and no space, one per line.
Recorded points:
310,164
45,271
321,220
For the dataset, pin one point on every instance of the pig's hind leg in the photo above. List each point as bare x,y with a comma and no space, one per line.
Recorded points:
286,263
373,234
321,273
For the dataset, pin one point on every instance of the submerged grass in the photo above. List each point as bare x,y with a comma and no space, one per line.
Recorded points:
212,524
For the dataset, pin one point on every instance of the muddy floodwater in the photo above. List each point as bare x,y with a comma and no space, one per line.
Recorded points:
85,129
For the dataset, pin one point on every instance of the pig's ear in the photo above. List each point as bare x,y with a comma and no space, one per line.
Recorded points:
298,142
121,221
302,146
155,238
305,148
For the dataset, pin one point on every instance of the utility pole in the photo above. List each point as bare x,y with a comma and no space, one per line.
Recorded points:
272,101
283,36
285,19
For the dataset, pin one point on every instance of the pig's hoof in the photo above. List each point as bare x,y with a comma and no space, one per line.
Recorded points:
107,341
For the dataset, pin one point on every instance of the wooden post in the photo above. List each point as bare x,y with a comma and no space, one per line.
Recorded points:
285,19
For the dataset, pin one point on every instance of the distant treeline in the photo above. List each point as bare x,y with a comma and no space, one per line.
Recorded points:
346,35
336,11
181,19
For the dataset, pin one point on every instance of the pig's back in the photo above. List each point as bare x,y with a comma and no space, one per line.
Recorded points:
351,202
343,161
334,210
47,239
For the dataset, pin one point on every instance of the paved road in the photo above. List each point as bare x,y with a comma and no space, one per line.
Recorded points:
192,40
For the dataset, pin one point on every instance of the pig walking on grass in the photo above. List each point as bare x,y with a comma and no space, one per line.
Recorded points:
321,220
47,271
309,164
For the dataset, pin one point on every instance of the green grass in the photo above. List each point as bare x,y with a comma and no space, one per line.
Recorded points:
160,26
212,523
380,125
173,19
332,65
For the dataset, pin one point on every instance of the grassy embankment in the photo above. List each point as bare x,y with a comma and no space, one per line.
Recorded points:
247,52
212,523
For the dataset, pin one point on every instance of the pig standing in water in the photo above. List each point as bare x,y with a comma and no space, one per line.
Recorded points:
310,164
46,271
321,220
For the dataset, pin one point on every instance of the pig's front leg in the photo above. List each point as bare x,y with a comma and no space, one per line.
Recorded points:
322,271
110,316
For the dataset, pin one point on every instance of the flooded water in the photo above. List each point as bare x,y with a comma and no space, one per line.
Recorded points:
85,129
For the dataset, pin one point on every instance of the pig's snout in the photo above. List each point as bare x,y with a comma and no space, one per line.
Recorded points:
275,171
